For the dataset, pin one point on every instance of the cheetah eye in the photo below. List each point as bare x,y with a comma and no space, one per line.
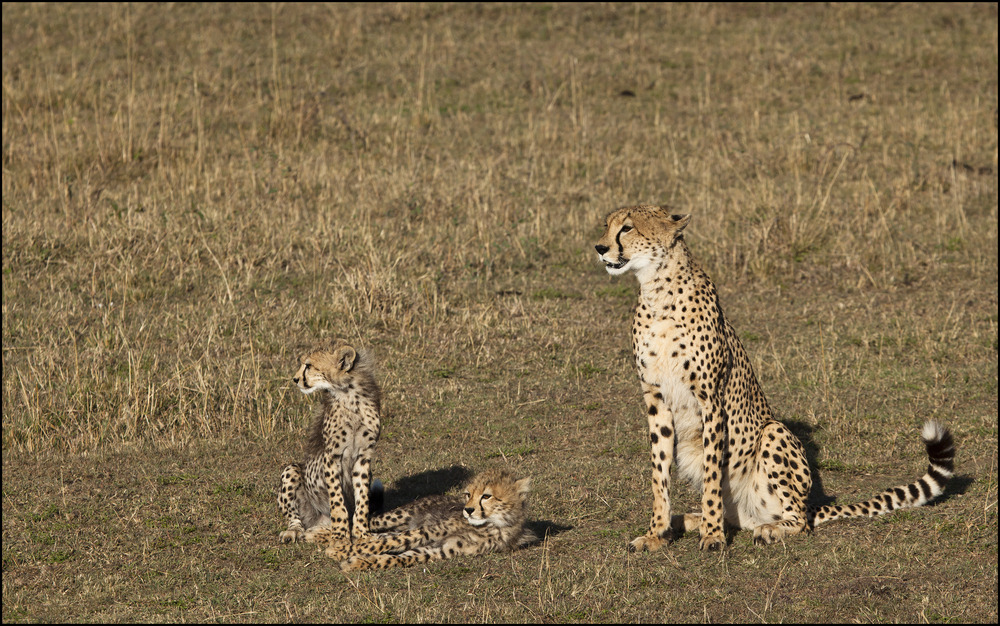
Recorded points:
487,496
626,229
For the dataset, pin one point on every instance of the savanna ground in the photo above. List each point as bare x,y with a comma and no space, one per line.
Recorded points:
192,193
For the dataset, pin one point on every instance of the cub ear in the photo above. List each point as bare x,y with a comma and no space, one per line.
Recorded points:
345,358
523,485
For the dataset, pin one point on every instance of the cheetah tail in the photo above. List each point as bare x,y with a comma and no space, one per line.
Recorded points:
941,453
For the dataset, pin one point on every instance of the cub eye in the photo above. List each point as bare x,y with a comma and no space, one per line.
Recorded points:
306,367
487,496
625,229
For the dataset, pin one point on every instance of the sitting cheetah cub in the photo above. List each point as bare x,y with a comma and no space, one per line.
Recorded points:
706,410
489,518
315,497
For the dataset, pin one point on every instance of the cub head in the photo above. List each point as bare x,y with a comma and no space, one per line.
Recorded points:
495,498
635,237
329,367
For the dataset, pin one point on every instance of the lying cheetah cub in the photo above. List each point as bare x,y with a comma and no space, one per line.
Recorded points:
706,410
315,497
491,519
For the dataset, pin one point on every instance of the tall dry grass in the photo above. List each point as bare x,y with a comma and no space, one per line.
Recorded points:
191,192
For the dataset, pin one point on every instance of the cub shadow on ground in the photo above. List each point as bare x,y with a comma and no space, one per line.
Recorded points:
441,481
429,483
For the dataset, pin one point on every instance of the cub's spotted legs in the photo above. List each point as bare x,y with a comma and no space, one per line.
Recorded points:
384,543
386,561
291,479
361,478
338,533
661,436
451,547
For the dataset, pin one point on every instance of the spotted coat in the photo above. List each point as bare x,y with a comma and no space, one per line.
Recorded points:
705,409
318,496
490,517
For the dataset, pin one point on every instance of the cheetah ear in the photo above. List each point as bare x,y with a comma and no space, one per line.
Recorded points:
676,220
523,485
345,358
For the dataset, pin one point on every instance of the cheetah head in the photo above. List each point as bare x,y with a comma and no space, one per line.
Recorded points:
494,498
328,367
635,237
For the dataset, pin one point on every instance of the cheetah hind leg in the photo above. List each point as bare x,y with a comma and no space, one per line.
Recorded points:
326,534
650,542
679,524
686,523
338,544
790,521
785,469
793,524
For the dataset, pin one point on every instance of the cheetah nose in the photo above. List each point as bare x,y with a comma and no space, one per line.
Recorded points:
295,379
601,249
469,510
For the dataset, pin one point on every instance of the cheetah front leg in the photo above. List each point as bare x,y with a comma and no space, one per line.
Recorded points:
454,546
714,438
661,438
361,478
338,533
288,497
387,561
388,543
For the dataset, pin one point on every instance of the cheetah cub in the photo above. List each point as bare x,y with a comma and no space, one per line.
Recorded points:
490,517
706,410
315,497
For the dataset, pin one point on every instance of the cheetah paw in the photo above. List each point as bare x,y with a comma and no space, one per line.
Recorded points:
291,535
713,542
766,534
325,534
354,564
339,552
649,542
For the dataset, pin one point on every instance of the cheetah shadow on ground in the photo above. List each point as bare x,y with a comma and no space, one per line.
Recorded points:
429,483
543,529
804,431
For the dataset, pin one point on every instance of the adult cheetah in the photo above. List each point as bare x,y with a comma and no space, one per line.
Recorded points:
706,410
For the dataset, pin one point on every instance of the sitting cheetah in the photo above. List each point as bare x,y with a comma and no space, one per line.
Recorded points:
440,527
315,496
706,410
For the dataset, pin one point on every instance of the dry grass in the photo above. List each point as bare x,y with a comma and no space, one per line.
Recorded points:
191,193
